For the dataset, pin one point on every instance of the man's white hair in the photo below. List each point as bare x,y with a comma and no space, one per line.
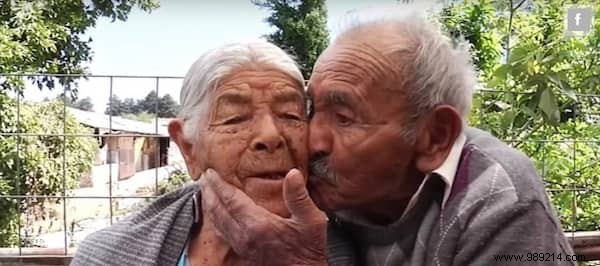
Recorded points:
204,75
438,71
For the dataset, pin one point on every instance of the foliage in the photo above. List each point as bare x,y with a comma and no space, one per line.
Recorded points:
115,106
538,78
149,102
301,28
164,107
44,37
47,36
38,165
84,104
167,107
175,180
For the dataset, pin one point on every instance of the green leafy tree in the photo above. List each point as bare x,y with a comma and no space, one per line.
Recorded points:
130,106
167,107
148,104
536,84
163,106
44,36
38,165
83,104
144,108
301,28
47,36
114,106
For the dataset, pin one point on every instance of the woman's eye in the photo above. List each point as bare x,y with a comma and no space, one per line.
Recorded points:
291,116
234,120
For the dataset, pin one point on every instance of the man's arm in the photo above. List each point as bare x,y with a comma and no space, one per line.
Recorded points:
522,234
261,236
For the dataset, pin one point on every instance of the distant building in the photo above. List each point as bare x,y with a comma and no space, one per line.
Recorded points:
130,145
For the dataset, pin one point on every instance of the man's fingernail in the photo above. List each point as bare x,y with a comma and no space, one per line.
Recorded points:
210,172
294,172
295,178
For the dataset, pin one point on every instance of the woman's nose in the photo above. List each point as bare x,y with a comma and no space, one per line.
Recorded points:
268,137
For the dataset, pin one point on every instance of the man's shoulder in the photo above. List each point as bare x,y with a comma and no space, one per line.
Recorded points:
494,179
492,164
498,196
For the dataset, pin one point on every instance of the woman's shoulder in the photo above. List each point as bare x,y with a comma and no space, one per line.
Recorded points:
139,238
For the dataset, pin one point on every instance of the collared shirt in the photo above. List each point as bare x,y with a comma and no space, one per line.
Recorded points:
447,172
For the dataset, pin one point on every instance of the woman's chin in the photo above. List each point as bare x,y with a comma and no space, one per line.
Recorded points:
267,193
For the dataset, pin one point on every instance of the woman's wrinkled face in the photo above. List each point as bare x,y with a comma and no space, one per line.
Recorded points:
256,133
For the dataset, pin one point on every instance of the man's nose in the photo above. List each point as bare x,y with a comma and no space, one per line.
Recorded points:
267,138
320,141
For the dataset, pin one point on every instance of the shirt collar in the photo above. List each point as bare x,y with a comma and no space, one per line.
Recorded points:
447,172
448,169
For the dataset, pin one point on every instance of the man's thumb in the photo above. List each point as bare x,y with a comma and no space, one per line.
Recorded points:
297,199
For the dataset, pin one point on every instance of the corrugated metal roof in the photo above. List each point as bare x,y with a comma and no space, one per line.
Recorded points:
103,121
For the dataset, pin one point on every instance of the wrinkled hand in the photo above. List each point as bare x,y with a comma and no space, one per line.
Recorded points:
260,236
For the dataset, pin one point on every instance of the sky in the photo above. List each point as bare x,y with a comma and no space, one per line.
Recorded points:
168,40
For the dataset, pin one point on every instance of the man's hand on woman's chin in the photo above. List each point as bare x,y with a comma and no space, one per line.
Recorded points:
261,236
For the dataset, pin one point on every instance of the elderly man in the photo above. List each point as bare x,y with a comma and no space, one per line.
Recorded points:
243,115
402,179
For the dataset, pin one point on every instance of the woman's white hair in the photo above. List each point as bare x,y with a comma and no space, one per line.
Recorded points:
438,71
204,75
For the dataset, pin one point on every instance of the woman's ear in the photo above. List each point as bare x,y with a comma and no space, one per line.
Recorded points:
176,132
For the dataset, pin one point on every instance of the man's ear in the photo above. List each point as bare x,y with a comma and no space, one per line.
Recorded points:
176,132
436,135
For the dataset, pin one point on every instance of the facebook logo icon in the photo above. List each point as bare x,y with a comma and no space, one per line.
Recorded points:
579,19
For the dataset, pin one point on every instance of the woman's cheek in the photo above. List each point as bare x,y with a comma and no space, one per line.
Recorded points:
225,153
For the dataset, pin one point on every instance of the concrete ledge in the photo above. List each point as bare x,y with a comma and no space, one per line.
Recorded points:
584,243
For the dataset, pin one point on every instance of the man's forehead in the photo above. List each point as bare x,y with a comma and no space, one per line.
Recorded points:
346,68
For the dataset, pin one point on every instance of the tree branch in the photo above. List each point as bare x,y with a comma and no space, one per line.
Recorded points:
513,9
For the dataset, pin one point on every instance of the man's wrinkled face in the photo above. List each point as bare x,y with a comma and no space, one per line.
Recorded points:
257,132
359,157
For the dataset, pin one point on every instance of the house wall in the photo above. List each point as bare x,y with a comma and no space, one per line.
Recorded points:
112,149
126,157
134,154
138,154
150,153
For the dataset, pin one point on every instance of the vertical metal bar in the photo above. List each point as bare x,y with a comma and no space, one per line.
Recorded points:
482,107
157,139
574,176
18,166
110,152
574,213
64,166
543,160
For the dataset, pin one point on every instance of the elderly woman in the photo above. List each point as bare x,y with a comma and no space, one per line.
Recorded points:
243,115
